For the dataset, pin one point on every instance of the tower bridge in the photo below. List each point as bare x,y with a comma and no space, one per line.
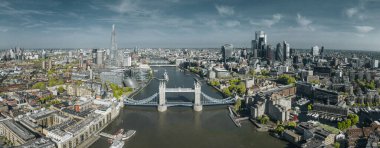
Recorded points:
159,99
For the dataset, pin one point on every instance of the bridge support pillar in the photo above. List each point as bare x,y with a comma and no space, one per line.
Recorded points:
162,98
198,107
162,108
197,96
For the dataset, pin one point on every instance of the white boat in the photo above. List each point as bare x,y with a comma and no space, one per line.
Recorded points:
117,144
129,134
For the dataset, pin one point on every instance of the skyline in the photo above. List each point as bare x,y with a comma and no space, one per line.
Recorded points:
177,23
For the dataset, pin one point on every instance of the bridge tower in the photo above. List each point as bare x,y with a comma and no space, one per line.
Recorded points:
162,96
197,96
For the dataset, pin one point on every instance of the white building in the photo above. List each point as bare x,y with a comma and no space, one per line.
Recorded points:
315,51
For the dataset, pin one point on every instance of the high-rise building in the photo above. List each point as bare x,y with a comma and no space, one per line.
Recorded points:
113,52
254,48
94,56
227,51
269,53
100,57
375,64
127,60
315,51
321,52
259,44
279,53
286,51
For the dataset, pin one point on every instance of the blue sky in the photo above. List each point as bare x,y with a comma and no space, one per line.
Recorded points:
348,24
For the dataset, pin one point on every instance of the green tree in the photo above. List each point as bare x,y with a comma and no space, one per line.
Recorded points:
265,72
264,119
60,89
227,92
237,105
214,83
286,79
279,129
241,89
348,123
354,118
340,126
234,81
371,85
39,85
336,145
292,124
310,107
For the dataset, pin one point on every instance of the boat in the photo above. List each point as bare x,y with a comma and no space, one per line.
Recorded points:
129,134
117,144
118,139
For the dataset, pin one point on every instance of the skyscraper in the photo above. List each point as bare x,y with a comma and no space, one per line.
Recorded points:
259,44
94,56
113,53
315,51
286,51
279,53
227,50
269,53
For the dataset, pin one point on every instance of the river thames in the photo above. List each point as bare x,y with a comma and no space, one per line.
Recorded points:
183,127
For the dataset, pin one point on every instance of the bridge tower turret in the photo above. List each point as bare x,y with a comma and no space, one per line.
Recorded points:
162,96
197,96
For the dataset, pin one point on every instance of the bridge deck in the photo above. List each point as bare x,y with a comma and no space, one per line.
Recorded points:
179,90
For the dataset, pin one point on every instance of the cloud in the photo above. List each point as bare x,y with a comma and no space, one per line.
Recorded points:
225,10
130,7
268,22
233,23
303,22
364,29
351,12
3,29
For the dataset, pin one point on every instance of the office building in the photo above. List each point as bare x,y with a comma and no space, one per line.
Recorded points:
315,51
227,51
286,50
279,53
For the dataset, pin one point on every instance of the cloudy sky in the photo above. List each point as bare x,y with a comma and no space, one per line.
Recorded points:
348,24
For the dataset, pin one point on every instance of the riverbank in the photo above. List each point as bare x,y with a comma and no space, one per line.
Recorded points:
131,95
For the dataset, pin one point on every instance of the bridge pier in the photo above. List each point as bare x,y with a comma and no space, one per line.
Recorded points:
162,98
162,108
197,96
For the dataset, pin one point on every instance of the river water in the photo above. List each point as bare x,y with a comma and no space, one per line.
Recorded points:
183,127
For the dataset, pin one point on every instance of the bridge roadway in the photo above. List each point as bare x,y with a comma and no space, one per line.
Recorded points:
179,89
164,65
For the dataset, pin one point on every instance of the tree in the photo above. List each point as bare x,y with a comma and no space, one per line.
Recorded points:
60,89
237,105
286,79
227,92
279,129
348,123
265,72
336,145
371,85
354,118
292,124
310,107
340,126
241,89
264,119
39,85
214,83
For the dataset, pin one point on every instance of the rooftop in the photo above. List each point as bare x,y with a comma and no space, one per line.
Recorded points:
39,143
19,130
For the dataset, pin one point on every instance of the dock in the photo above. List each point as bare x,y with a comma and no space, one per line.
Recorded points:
236,119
